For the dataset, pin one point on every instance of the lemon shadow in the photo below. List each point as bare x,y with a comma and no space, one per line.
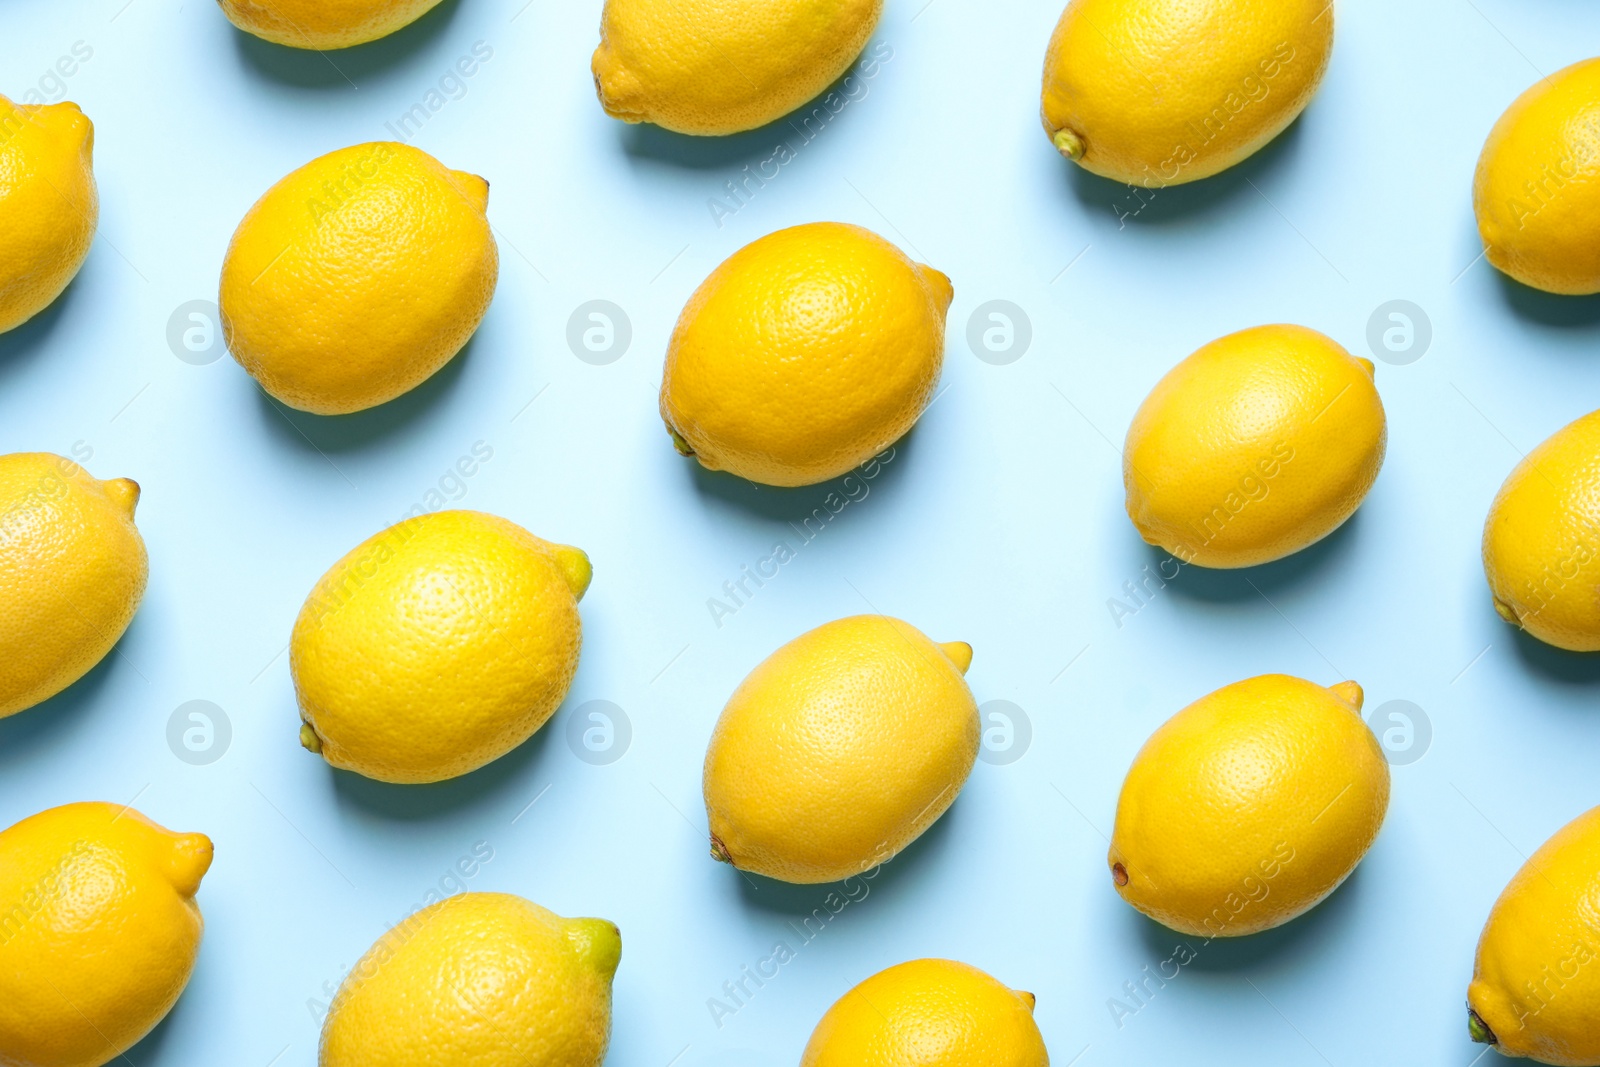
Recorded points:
792,508
1547,309
361,429
32,337
1176,204
1550,662
25,731
475,790
344,67
1209,585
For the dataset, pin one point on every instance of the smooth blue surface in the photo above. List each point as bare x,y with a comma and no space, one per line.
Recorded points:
998,522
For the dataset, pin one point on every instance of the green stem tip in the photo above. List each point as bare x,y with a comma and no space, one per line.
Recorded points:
1068,144
1481,1034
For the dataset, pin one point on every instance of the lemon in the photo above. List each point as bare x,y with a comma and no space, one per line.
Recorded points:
99,932
72,571
721,66
1256,446
437,646
1537,188
358,276
805,354
1162,92
839,750
487,979
48,204
1249,806
1535,987
928,1013
323,25
1541,542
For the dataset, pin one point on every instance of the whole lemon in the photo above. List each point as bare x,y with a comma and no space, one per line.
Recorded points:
487,979
1162,92
928,1013
839,750
358,276
721,66
1256,446
100,932
1537,188
323,25
804,354
1249,806
72,571
1541,542
1535,986
49,205
437,646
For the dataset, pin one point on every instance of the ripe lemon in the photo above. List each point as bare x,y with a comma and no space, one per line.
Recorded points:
1162,92
1256,446
1249,806
48,204
804,355
74,571
488,979
323,25
99,932
721,66
1541,542
437,646
1536,984
1537,188
358,276
839,750
928,1013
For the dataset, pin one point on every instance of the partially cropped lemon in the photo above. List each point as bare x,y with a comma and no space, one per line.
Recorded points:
1162,92
1541,542
839,750
1256,446
804,355
437,646
72,571
1535,987
358,276
1249,806
928,1013
49,206
1537,188
100,932
487,979
721,66
323,25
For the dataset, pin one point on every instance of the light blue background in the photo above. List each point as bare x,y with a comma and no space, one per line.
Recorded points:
999,521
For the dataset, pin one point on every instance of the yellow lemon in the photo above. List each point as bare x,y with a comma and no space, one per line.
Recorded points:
1257,445
839,750
437,646
1536,985
1249,806
488,979
72,571
1537,188
928,1013
1162,92
358,276
48,204
323,25
1541,543
805,354
99,932
721,66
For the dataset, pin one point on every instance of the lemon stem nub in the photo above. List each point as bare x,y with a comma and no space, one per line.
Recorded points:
679,443
309,739
1481,1034
1068,144
719,851
1119,874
